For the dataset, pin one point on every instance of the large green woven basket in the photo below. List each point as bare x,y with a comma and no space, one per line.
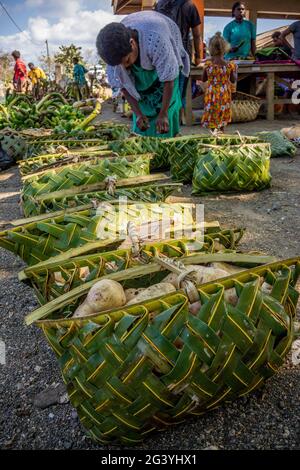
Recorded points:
139,145
182,152
12,143
55,277
179,152
147,193
49,146
41,237
50,161
85,173
235,168
102,133
134,371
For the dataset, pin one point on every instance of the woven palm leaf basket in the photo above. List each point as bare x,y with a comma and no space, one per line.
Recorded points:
50,146
79,174
97,136
182,152
146,193
60,274
244,107
48,161
140,368
237,168
41,237
13,143
139,145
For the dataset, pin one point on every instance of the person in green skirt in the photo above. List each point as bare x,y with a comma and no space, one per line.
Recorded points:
145,56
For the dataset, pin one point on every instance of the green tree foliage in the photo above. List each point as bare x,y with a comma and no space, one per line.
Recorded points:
66,55
6,67
44,62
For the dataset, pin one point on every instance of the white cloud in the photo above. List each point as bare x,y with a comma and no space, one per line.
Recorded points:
84,27
80,28
34,3
56,8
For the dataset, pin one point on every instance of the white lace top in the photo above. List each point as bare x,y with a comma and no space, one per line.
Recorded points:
161,48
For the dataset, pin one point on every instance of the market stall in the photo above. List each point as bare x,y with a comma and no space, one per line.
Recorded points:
274,73
270,9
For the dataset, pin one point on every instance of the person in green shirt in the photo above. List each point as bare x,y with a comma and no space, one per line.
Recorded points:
79,72
241,34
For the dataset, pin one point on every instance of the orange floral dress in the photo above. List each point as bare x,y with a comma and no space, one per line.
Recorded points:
217,101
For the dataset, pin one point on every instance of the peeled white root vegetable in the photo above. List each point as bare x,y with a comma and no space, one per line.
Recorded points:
229,268
291,132
202,275
104,295
153,291
266,288
230,296
132,293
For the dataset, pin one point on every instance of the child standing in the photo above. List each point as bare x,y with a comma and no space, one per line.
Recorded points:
219,75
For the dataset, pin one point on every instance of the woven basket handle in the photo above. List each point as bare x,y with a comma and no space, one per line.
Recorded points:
135,239
184,280
241,137
110,184
62,149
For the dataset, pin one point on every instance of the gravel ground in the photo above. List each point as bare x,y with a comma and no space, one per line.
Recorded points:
266,419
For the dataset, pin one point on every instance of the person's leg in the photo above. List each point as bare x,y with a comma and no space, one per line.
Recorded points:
183,83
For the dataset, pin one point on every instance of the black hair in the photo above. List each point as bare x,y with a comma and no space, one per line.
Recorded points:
16,54
30,64
76,60
276,34
235,5
113,43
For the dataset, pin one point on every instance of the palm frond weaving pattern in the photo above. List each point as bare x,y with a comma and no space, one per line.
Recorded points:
44,162
140,145
240,168
98,136
147,193
50,236
13,144
134,371
182,152
36,148
55,278
85,174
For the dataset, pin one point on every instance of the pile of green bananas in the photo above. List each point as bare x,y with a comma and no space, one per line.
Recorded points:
52,112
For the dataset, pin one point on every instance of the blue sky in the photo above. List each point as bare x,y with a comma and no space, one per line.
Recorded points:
66,21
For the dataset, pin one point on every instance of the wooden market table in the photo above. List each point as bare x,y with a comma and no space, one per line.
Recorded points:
274,73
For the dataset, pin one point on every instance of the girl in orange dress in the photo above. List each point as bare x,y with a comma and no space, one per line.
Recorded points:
219,75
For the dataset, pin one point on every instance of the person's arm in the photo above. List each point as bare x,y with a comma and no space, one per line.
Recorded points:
142,121
253,39
21,70
162,55
195,25
284,35
162,122
227,37
233,75
197,43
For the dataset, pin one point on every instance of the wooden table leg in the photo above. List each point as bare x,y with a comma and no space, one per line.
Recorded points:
253,85
189,106
270,96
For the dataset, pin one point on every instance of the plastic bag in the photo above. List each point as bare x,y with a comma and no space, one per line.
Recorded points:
5,160
280,145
